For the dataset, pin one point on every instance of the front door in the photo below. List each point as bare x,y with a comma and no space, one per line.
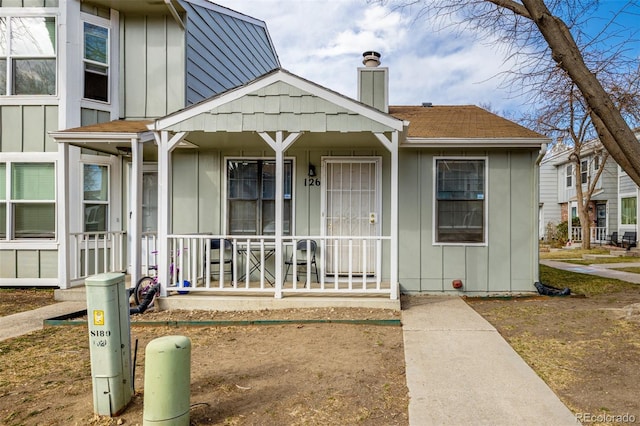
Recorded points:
352,204
149,205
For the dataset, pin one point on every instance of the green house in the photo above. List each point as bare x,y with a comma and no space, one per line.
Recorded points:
281,187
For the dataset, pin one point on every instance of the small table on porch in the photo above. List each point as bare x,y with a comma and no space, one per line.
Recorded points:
257,253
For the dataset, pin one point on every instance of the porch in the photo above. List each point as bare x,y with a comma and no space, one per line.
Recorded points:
217,266
598,234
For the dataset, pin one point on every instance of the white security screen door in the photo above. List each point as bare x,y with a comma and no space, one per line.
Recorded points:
352,202
149,214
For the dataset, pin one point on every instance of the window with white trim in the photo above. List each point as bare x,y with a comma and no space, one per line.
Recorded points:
569,175
95,199
629,211
251,196
460,200
584,171
96,62
27,200
28,55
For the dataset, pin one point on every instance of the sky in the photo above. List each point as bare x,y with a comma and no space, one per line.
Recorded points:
323,41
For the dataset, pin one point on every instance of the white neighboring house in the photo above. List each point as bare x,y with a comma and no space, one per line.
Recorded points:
70,63
628,193
613,207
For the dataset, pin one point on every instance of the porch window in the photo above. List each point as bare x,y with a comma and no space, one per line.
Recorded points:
27,196
95,197
629,211
28,55
251,196
460,195
96,62
569,175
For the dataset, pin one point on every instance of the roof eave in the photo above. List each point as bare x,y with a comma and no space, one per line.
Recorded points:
70,137
412,142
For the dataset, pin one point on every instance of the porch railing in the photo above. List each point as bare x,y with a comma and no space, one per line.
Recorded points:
247,264
96,252
598,234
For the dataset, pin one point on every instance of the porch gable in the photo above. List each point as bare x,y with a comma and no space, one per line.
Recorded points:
280,101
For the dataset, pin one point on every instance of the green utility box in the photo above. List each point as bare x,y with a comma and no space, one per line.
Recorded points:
109,342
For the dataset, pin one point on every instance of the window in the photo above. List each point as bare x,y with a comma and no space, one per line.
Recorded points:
96,62
584,171
251,193
596,162
27,56
95,197
629,210
460,195
27,199
569,175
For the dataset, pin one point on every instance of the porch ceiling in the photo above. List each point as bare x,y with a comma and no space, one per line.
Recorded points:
252,140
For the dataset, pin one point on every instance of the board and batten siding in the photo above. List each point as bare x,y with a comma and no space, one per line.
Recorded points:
224,50
23,128
152,66
505,263
28,264
280,106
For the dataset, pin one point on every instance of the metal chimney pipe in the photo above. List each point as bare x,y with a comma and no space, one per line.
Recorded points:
371,59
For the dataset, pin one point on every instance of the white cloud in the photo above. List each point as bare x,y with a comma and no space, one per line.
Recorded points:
323,41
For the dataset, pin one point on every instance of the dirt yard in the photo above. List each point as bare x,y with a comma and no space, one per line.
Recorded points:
585,347
288,374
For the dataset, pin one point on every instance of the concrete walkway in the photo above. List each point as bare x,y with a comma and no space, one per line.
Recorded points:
26,322
600,269
460,371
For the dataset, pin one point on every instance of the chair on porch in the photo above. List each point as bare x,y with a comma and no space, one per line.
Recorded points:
303,258
219,257
613,239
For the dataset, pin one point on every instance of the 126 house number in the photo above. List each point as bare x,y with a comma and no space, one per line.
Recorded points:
311,182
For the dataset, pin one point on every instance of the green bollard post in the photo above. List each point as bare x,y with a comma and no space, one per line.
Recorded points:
167,381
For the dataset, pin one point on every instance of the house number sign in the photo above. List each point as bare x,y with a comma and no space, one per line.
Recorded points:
311,182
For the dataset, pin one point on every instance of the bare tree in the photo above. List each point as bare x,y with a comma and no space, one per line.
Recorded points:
569,120
564,114
537,34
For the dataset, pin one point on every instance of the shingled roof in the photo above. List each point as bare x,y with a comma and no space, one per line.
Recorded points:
459,122
116,126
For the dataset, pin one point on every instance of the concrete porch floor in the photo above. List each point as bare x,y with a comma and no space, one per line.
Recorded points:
247,301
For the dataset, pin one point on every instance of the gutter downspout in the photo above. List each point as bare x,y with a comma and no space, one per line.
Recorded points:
536,191
174,13
541,154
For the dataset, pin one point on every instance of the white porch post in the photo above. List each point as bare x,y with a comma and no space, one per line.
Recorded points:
279,195
62,171
136,211
279,146
392,146
165,147
394,215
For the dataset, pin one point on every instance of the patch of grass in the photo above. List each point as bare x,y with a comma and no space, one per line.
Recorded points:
633,270
571,253
603,260
589,285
